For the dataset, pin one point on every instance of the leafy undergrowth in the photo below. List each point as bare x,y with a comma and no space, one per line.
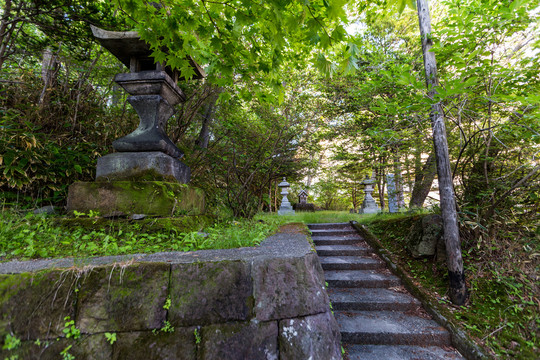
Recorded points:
28,236
503,310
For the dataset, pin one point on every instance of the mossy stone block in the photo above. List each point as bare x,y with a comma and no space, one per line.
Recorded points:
210,292
286,288
145,345
136,197
92,347
34,305
246,340
123,298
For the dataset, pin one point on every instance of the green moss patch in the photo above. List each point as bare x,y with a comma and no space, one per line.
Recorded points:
136,197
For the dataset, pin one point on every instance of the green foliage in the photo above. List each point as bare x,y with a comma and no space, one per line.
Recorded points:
502,312
197,336
70,331
38,236
65,353
111,337
11,342
238,37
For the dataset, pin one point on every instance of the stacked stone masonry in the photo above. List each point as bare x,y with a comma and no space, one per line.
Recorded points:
267,302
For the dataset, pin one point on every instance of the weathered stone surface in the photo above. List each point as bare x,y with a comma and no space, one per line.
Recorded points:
151,83
48,210
123,298
425,236
137,166
92,347
286,288
176,345
33,305
253,341
153,111
314,337
211,292
136,197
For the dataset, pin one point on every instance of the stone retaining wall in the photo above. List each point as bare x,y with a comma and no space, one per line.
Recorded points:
267,302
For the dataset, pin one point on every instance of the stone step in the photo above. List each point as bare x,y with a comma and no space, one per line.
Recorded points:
336,240
371,300
330,226
359,278
389,328
401,352
350,263
342,250
333,232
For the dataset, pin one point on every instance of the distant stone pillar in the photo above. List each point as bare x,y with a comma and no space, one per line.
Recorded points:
369,206
286,207
392,193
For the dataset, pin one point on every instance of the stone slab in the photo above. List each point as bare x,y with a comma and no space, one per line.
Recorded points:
136,197
333,232
253,341
286,288
345,225
350,263
319,240
123,298
343,250
176,345
314,337
372,299
390,328
360,278
210,292
34,305
137,166
92,347
401,352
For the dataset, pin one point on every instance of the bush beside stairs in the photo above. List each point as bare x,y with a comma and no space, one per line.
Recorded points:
378,318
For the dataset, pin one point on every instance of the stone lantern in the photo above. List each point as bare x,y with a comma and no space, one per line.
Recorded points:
154,94
369,206
145,174
285,208
302,197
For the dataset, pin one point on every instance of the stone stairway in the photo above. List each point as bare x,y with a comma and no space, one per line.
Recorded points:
378,318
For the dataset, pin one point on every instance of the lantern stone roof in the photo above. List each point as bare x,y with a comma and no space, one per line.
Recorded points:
128,45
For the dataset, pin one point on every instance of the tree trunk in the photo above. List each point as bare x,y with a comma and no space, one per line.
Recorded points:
398,179
422,182
204,135
49,70
458,288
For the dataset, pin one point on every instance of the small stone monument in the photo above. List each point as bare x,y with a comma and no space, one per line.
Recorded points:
145,175
302,197
369,206
392,198
285,208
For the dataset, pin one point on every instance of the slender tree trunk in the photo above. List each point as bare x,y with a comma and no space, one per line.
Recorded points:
398,179
458,288
423,181
204,135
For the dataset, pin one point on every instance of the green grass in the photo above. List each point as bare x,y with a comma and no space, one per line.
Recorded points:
324,217
37,236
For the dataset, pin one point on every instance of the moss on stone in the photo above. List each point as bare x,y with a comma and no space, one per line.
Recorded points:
33,305
136,197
